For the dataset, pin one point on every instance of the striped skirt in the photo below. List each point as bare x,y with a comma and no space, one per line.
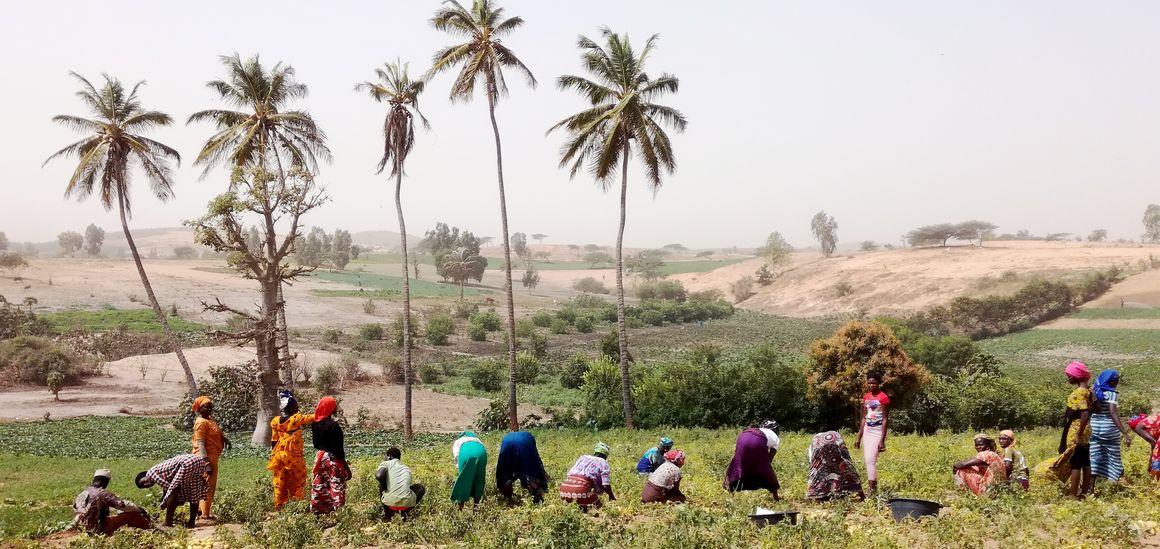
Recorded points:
1105,448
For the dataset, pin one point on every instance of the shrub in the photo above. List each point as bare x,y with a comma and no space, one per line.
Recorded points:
586,301
567,314
585,324
486,375
392,367
838,366
397,331
439,329
371,332
31,359
610,346
16,321
602,398
369,307
525,328
662,289
572,376
538,344
55,382
527,368
559,326
331,335
742,289
351,371
328,378
494,417
430,372
843,288
711,295
235,397
477,331
590,285
705,353
542,319
943,354
463,309
488,319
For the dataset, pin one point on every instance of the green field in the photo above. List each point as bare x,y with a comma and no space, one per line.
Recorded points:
134,320
35,504
1116,314
697,265
385,286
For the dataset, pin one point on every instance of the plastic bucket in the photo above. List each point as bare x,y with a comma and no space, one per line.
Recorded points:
903,508
765,519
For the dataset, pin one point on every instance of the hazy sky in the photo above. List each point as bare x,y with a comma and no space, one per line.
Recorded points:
888,115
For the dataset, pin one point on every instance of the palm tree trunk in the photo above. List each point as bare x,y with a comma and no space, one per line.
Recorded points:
513,415
408,432
190,382
622,333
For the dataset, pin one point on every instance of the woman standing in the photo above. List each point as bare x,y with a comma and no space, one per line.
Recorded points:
208,442
287,463
872,431
1074,461
984,470
328,491
1107,428
470,456
832,472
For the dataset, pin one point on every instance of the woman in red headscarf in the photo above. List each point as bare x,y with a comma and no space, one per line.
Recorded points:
328,489
664,484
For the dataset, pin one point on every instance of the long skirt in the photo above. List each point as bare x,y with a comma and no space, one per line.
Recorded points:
871,438
655,494
832,473
579,490
472,473
1105,448
328,491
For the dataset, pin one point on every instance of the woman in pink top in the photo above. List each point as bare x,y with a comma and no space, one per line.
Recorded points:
872,431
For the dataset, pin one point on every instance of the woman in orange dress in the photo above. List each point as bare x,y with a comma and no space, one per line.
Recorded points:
287,463
208,442
984,470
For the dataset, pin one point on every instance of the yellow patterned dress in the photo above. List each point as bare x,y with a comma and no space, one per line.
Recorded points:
287,463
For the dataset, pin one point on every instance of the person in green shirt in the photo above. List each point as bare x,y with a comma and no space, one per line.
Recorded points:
396,492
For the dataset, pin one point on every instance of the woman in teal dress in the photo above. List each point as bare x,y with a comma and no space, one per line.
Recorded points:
471,457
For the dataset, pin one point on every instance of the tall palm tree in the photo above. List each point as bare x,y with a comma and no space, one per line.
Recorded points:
401,94
483,58
113,146
261,131
623,119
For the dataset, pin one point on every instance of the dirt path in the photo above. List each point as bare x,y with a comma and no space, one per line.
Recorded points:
125,390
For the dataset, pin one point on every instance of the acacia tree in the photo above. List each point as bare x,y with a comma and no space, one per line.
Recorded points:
776,250
401,94
275,201
1098,235
261,131
825,229
622,118
483,57
114,145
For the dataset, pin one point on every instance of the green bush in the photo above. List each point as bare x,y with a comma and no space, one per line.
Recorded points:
31,359
527,368
559,326
542,319
328,378
15,321
371,332
567,314
477,331
538,344
590,285
486,375
572,375
331,335
671,290
602,398
585,324
430,372
525,328
494,417
585,301
488,319
463,309
397,330
392,367
439,329
235,397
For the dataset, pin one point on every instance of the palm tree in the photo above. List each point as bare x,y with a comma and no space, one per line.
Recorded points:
262,132
459,266
401,94
484,57
622,119
113,146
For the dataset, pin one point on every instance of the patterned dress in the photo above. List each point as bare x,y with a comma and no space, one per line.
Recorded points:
328,490
832,472
1152,427
287,462
980,478
586,480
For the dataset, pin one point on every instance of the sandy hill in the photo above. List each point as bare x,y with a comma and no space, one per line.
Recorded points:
896,281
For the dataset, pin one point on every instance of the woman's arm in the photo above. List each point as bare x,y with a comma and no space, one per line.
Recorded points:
861,426
608,488
968,463
885,430
1114,412
1140,430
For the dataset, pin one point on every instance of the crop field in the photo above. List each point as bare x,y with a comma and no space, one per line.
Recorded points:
697,266
1116,314
134,320
384,286
1118,516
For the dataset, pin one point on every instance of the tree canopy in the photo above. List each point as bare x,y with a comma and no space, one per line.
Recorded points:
941,233
1152,223
825,229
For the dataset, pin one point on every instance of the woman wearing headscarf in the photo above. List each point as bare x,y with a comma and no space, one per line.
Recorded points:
470,456
287,463
654,457
589,477
1108,430
664,484
984,470
328,490
752,465
1013,460
519,459
1074,461
1148,427
832,473
208,442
